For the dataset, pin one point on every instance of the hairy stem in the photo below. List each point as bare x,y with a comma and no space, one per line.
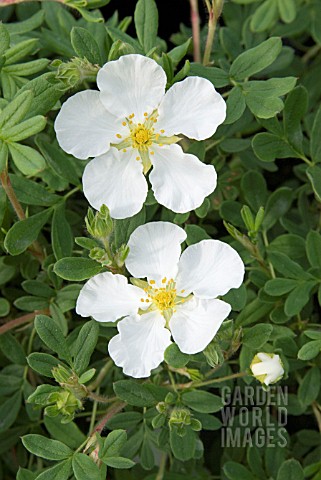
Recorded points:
195,20
110,413
214,12
17,322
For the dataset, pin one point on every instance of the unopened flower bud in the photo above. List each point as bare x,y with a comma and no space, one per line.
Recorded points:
267,368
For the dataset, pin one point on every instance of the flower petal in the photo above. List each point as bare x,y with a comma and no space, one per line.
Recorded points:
116,179
139,347
192,107
196,322
209,268
154,250
131,84
83,126
107,297
180,181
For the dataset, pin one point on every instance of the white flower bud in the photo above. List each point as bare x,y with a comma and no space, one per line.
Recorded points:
267,368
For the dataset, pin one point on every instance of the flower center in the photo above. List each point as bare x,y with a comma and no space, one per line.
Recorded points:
141,137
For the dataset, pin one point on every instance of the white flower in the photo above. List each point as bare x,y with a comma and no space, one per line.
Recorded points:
267,368
176,298
130,125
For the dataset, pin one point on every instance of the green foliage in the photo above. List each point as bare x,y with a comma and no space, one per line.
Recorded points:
66,410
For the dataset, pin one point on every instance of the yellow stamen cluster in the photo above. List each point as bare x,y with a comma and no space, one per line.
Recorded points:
163,298
141,137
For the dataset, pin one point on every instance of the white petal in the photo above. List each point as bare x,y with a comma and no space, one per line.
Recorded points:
180,181
132,84
139,347
107,297
192,107
195,323
154,250
209,268
116,179
83,126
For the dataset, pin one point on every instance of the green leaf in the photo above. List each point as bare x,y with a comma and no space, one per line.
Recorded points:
24,130
254,189
113,444
67,433
59,162
60,471
277,205
287,9
61,234
26,159
85,468
4,307
256,336
235,105
20,50
313,248
12,349
4,39
47,90
124,228
85,45
290,470
46,448
256,59
77,268
118,462
31,192
85,345
42,363
264,16
174,357
52,336
310,386
27,25
124,420
295,108
217,76
279,286
203,402
134,393
41,394
16,110
117,34
310,350
314,175
183,447
287,267
315,137
298,298
268,147
236,471
9,411
4,153
23,233
146,23
178,53
195,234
263,107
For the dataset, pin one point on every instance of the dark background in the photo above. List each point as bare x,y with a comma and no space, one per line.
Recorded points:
171,14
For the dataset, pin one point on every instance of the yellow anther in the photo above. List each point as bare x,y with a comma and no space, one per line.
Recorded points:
137,158
152,282
162,131
124,150
124,124
182,291
164,280
155,120
142,300
118,135
152,153
145,114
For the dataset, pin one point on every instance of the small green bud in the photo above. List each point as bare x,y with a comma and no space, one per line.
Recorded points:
118,49
161,407
180,416
121,255
213,354
196,425
101,256
61,374
259,219
170,398
75,72
99,225
86,376
158,421
247,217
194,374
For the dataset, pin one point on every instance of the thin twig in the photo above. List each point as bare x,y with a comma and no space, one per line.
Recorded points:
16,322
110,413
195,20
